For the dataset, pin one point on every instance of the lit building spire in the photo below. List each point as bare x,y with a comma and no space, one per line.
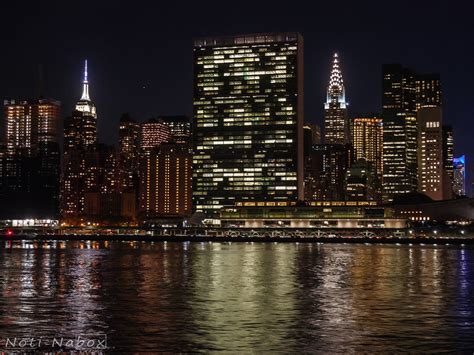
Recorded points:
85,89
336,120
336,90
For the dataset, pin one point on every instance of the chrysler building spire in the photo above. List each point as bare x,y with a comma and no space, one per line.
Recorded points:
336,122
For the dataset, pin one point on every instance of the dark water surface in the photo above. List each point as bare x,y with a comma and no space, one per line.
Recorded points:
241,297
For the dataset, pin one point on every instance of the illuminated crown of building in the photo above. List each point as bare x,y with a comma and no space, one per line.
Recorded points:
85,104
336,92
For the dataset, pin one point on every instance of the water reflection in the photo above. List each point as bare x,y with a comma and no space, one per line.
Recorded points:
240,297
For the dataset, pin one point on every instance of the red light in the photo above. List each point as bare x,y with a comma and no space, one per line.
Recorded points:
9,233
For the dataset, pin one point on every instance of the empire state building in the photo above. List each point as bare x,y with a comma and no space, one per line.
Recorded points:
336,121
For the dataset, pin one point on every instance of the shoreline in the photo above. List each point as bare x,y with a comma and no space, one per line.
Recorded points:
329,240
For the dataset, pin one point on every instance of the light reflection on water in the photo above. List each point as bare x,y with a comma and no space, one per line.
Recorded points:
241,297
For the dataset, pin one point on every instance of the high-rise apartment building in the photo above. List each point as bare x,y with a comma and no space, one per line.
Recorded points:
399,131
166,182
248,119
367,139
336,119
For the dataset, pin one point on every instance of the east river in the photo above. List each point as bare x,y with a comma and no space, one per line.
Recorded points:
239,297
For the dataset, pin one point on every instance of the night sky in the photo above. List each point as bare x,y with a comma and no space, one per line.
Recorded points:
140,54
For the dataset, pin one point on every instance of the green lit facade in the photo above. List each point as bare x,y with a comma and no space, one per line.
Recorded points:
248,120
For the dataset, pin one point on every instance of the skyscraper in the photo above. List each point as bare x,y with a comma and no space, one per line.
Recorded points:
165,182
428,90
32,158
459,185
180,128
152,133
81,168
431,173
248,111
128,154
367,139
361,182
326,171
336,120
448,155
399,131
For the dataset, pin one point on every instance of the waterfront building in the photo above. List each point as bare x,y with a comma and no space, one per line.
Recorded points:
399,131
248,119
322,215
325,171
459,182
153,132
336,119
31,162
166,182
367,139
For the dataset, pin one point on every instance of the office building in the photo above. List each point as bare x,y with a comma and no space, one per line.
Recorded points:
166,182
248,119
180,128
153,132
362,182
428,90
367,139
448,155
459,184
399,131
326,170
128,154
431,173
81,156
336,119
31,162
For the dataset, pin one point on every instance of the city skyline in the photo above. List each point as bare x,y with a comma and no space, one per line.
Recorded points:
124,58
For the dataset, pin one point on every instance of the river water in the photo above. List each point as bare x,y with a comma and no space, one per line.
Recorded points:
240,297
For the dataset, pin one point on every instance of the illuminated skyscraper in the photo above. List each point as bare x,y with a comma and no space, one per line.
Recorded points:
180,128
248,111
431,173
128,154
336,120
32,157
448,155
459,185
428,90
399,131
165,182
367,139
326,169
152,133
81,163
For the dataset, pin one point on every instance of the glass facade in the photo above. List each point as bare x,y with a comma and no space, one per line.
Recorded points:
399,131
248,111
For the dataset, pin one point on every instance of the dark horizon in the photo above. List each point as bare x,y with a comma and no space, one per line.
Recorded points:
140,57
